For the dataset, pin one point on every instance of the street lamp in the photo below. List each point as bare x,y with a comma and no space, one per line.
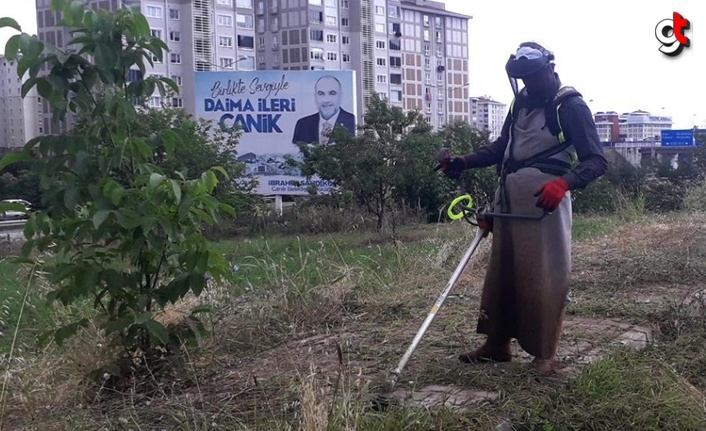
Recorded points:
233,63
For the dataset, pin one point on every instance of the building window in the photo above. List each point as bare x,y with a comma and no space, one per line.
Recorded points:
316,35
316,54
246,63
174,14
177,102
344,4
225,20
331,20
316,17
331,38
380,10
244,21
346,58
345,40
225,62
156,33
177,79
153,11
134,75
331,56
380,28
315,2
225,41
175,58
381,62
244,4
395,61
380,44
382,79
246,42
344,22
155,101
174,36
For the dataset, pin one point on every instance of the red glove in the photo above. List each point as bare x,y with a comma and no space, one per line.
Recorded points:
551,193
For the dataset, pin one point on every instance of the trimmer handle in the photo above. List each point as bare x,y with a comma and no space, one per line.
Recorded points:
444,158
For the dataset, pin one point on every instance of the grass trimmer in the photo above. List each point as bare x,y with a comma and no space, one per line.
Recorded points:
479,218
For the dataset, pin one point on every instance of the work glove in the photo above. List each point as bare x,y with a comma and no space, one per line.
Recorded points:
455,167
551,193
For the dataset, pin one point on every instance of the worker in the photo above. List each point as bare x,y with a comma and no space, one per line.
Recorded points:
548,147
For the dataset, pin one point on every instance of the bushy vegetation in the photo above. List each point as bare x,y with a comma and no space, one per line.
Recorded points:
120,217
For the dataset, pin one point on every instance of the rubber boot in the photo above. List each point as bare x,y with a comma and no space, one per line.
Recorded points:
490,351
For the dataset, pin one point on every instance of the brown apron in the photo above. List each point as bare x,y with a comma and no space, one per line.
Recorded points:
528,276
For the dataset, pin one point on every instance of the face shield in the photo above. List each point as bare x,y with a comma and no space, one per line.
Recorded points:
529,59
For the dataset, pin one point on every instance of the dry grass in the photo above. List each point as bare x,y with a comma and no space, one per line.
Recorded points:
314,328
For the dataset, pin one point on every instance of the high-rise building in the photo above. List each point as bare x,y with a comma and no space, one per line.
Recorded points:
18,115
608,126
412,52
488,114
636,126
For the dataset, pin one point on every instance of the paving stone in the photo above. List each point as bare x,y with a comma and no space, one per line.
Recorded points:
637,338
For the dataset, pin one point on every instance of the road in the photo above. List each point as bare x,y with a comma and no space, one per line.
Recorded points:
11,230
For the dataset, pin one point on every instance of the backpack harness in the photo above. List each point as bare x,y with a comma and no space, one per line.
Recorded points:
543,160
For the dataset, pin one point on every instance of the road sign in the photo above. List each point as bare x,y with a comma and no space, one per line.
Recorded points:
677,138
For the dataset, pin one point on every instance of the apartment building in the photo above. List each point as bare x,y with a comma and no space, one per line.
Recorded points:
636,126
488,114
18,115
412,52
201,35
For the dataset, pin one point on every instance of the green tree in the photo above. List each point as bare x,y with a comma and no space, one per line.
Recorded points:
202,145
118,229
375,163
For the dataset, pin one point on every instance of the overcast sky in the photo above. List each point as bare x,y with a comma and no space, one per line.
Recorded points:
605,48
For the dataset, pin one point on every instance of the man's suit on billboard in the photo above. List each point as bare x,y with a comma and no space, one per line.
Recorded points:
307,128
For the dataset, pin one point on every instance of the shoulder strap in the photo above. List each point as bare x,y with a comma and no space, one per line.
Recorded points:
542,160
552,111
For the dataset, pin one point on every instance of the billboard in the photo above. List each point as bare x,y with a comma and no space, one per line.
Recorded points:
274,109
677,138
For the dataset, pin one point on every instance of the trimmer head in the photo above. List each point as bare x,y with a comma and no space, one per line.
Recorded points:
383,398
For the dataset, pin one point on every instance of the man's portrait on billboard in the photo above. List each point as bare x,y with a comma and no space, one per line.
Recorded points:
315,127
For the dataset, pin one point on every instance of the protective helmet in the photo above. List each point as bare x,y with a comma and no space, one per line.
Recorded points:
530,58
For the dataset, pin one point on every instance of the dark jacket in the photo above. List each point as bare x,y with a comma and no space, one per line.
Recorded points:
580,130
307,128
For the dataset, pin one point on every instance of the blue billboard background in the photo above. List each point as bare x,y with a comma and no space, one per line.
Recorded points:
677,138
267,106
